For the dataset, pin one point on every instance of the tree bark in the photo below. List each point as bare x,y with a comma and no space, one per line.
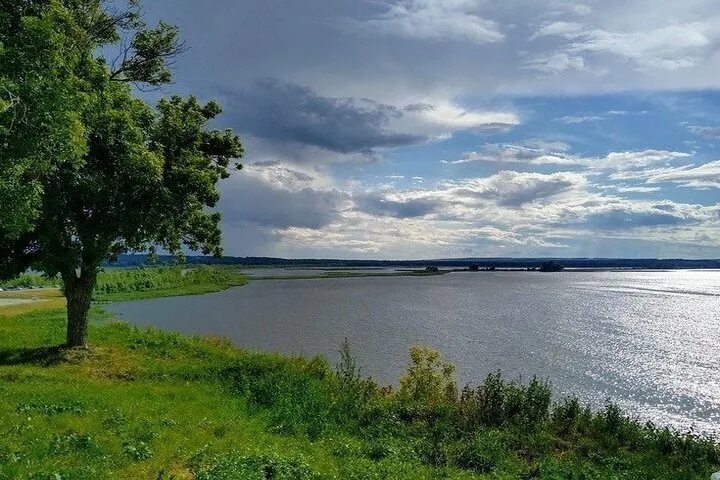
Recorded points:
78,293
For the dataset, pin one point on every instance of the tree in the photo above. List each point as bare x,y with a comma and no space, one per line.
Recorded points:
551,266
94,170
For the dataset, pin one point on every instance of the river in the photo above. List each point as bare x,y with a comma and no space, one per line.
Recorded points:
647,340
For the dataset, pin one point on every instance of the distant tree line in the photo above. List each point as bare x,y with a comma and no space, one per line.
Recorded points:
520,263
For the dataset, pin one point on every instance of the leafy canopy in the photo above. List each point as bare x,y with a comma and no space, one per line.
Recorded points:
90,169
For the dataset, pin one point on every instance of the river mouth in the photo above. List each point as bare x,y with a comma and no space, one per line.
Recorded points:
644,340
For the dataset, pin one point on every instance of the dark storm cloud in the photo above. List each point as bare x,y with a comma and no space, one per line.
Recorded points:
378,205
625,219
250,199
515,189
287,113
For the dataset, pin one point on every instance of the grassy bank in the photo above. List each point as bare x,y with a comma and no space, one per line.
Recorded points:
137,283
157,405
117,284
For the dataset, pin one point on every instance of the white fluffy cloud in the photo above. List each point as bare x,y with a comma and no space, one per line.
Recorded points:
356,92
702,176
442,119
622,165
290,210
668,47
530,155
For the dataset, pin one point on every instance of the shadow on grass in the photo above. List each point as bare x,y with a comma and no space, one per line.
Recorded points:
44,356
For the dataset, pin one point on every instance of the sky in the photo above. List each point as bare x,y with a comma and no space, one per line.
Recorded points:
404,129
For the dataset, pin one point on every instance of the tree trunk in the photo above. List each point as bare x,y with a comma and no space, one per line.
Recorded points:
78,292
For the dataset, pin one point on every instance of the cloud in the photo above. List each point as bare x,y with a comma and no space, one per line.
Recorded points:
435,20
631,163
622,219
404,56
625,215
385,205
575,119
555,63
514,189
702,176
442,119
363,90
501,214
704,131
570,119
669,47
503,153
291,115
275,196
288,113
622,165
637,189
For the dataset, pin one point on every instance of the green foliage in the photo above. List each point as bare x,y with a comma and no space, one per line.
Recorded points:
497,402
114,284
74,407
71,442
234,466
355,392
122,283
93,171
490,450
297,393
137,451
31,280
39,124
429,379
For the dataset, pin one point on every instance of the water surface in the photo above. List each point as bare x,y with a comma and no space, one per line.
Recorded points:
649,341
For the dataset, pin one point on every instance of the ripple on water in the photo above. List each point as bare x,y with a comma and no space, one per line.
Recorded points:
645,340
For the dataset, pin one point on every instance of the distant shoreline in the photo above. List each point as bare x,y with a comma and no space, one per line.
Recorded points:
340,273
497,262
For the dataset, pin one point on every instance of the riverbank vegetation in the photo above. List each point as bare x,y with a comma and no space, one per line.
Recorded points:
91,169
136,283
116,284
149,404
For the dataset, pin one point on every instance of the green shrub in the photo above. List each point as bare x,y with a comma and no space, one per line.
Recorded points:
297,393
355,392
137,451
115,281
484,454
31,280
570,418
71,441
429,380
497,402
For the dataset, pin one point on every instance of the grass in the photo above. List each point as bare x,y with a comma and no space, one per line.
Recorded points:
118,284
147,404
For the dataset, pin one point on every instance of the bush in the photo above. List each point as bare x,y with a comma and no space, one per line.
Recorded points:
484,454
355,392
71,442
429,380
30,280
497,402
297,393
